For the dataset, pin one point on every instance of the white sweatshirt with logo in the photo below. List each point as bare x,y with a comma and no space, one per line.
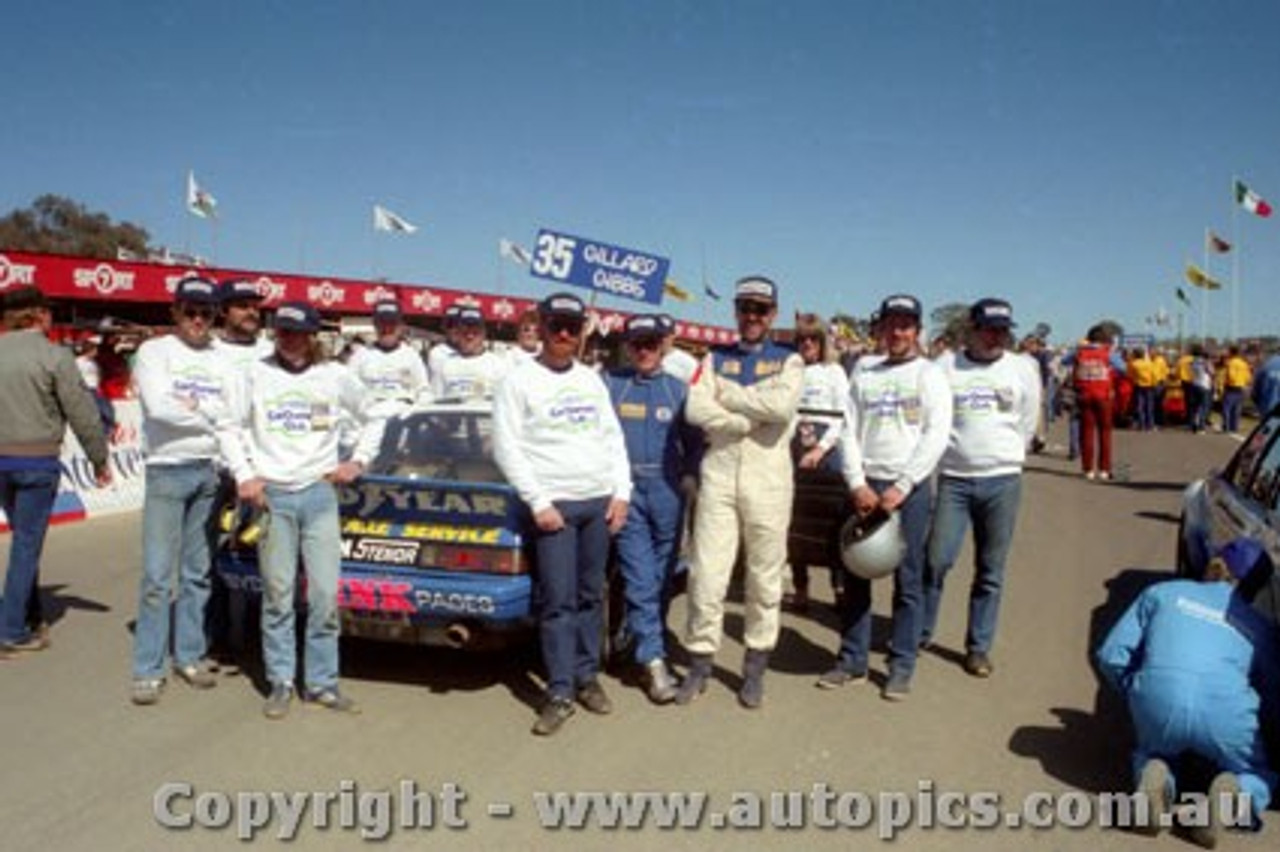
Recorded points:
283,425
996,407
183,391
469,376
896,423
557,437
398,375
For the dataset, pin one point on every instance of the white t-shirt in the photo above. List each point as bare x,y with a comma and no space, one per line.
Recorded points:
995,409
897,421
822,401
397,375
183,391
469,376
556,436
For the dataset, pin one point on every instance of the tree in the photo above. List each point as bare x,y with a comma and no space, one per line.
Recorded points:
62,226
950,321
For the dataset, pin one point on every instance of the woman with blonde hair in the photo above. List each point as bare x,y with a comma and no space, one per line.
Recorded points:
820,422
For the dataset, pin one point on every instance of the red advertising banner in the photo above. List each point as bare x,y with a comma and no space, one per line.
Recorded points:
63,277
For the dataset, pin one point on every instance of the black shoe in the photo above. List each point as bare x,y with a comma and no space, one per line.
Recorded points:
695,681
978,664
751,694
552,716
592,696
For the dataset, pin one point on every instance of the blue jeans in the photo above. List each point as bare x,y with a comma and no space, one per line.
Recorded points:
908,593
303,523
27,499
991,504
570,590
175,550
1232,400
647,559
1145,401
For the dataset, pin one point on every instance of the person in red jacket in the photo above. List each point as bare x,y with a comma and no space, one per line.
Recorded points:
1093,380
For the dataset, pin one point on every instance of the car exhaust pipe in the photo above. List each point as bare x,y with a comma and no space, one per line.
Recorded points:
457,635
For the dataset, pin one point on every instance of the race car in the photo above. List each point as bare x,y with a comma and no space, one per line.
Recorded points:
432,545
1243,499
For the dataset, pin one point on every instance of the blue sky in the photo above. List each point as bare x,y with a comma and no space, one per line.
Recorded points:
1065,155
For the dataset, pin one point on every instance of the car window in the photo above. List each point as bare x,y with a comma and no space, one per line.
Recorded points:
449,445
1245,464
1263,486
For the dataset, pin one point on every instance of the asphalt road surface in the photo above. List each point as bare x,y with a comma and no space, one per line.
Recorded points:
445,736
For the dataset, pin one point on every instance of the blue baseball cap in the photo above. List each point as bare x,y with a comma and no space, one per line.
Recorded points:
991,313
199,291
387,310
640,326
900,305
239,290
562,305
297,316
1241,555
469,315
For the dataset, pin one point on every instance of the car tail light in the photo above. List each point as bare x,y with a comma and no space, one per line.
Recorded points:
481,560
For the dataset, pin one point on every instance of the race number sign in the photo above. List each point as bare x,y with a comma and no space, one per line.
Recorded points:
600,267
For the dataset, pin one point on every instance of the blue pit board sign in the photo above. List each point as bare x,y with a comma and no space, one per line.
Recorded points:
599,267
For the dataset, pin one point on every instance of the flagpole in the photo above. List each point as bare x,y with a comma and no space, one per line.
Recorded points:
1204,292
1236,248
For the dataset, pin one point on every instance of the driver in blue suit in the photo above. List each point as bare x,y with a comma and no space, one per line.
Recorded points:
1190,657
663,449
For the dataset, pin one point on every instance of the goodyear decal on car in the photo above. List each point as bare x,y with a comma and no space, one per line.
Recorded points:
404,501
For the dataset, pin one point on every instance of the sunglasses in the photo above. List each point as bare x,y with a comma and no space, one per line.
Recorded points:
753,309
645,343
808,338
564,325
197,312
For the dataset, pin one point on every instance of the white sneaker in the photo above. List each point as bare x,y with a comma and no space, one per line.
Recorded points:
1091,475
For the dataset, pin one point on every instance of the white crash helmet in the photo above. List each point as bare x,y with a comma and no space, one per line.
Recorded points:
872,546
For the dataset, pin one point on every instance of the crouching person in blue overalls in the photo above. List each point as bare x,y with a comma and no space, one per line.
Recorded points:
1194,661
663,449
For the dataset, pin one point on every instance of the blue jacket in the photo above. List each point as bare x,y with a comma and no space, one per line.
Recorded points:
1266,385
1185,638
651,410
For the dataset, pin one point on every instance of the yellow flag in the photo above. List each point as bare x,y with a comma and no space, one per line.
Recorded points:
1198,279
675,291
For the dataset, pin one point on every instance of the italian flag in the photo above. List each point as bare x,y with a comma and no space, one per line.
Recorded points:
1251,201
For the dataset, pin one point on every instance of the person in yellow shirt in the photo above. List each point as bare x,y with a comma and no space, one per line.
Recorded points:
1161,366
1237,377
1142,372
1184,376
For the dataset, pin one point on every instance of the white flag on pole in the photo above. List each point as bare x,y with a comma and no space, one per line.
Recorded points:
385,220
199,202
506,248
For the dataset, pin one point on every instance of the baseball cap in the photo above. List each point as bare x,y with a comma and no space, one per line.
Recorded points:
563,305
469,315
386,310
239,290
991,313
200,291
666,324
297,316
1240,556
643,325
900,305
755,288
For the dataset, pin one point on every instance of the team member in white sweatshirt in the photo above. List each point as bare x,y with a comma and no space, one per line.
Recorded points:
897,424
182,381
996,397
391,369
474,371
560,445
281,443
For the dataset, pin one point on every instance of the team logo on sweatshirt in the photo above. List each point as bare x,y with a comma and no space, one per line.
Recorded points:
196,382
293,414
573,411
